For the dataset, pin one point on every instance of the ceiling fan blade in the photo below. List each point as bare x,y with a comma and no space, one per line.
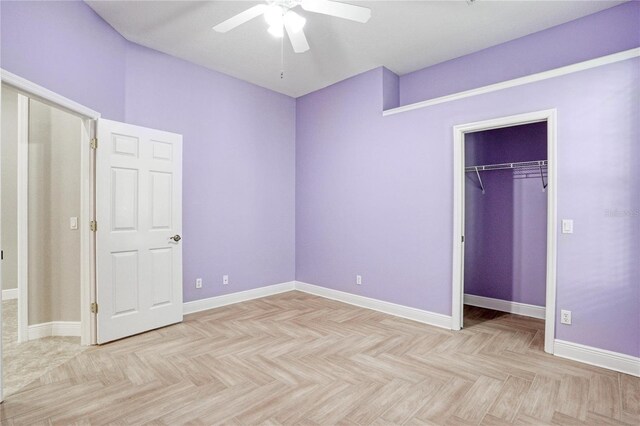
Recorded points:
240,18
297,38
337,9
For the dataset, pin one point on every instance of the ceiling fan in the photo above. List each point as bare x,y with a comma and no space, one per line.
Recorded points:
280,17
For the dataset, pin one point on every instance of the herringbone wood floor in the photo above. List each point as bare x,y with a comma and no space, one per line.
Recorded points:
296,358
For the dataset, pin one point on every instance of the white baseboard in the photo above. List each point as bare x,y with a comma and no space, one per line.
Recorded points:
426,317
419,315
599,357
241,296
11,293
589,355
54,328
505,306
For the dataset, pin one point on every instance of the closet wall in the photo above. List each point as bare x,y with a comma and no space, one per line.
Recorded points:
506,228
54,197
9,156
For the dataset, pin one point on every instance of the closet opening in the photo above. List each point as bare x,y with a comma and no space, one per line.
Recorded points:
504,206
44,204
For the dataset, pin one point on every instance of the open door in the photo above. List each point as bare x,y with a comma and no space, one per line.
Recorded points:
139,223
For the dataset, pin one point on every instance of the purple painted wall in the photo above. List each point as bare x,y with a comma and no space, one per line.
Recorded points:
374,195
239,146
506,228
603,33
65,47
239,169
390,89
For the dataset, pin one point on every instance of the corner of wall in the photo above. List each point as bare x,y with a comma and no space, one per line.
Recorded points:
390,89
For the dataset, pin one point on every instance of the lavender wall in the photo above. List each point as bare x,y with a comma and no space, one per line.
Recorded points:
603,33
374,195
65,47
239,146
239,169
390,89
505,232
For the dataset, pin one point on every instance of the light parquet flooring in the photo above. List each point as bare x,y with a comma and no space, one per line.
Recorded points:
294,358
24,362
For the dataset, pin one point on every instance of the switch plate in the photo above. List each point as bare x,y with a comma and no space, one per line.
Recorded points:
567,226
198,282
359,279
565,317
225,279
73,222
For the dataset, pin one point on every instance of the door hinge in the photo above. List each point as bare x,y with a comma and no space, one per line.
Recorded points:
94,143
94,308
463,238
93,225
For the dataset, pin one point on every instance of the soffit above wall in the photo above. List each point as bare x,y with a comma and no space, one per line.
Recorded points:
404,36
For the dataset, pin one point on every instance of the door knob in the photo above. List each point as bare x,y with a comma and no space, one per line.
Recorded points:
176,238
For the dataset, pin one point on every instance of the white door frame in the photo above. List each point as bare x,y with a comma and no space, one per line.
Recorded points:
22,183
87,208
459,208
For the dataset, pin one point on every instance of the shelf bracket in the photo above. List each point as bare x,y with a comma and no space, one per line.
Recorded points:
544,185
480,180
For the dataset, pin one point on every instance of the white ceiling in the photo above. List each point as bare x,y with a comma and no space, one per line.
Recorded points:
404,36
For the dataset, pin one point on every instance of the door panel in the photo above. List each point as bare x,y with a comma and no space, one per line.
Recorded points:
138,209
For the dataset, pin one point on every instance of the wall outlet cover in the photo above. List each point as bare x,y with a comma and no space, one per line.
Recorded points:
565,317
198,282
225,279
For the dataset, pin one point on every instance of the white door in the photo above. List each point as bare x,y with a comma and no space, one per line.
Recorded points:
139,223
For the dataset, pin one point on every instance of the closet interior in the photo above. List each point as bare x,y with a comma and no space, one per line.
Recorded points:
40,238
506,218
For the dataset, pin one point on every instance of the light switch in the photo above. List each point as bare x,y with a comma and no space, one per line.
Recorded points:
73,222
567,226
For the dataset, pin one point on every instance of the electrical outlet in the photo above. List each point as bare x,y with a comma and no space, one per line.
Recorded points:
565,317
225,279
73,223
359,279
198,282
567,226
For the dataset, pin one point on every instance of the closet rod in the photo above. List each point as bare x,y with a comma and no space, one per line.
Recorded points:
502,166
539,164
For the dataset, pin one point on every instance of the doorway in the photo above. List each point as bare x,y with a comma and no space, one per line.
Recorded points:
135,253
542,169
41,201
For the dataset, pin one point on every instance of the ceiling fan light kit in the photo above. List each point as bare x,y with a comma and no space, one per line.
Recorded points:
277,17
280,17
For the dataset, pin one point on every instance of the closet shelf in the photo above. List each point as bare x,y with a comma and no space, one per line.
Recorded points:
522,165
502,166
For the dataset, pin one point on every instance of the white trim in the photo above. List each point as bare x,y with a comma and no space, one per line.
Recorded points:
517,308
532,78
241,296
425,317
458,213
22,204
86,201
10,294
54,328
599,357
28,89
589,355
552,234
47,96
